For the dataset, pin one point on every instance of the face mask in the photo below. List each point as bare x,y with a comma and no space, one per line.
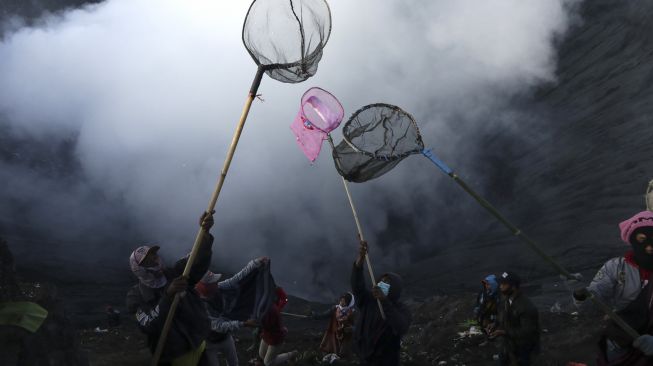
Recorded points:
385,287
642,258
151,276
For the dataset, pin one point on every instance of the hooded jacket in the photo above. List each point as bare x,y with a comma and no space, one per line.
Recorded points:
191,323
273,332
486,301
378,341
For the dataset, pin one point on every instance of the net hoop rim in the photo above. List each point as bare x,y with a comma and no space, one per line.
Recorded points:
275,66
372,155
301,109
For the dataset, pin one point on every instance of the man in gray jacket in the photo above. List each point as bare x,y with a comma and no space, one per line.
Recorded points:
625,284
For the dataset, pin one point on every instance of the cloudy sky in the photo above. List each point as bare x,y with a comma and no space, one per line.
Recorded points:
149,93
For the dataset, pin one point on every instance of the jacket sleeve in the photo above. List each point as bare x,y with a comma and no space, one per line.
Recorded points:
361,293
501,313
223,325
202,261
232,283
528,325
397,316
477,306
603,284
151,320
324,314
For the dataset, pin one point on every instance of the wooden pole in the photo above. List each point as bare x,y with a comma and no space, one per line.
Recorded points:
214,199
649,196
295,315
358,227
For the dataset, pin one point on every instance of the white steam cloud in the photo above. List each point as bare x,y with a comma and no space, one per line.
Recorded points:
152,89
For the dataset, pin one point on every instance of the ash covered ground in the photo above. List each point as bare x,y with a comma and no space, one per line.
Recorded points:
439,334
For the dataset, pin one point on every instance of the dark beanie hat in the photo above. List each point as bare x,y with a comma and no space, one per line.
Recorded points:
510,278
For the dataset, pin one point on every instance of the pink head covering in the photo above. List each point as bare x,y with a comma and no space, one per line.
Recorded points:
149,276
642,219
320,113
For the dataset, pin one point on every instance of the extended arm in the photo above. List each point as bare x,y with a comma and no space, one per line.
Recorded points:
232,283
151,321
358,288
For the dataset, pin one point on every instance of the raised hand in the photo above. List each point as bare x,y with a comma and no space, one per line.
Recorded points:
206,220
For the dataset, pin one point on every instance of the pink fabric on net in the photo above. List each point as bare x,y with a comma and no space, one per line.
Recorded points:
320,113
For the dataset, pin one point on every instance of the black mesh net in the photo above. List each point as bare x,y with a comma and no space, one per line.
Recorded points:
375,139
287,37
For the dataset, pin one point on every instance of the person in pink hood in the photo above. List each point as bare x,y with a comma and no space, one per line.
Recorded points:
625,283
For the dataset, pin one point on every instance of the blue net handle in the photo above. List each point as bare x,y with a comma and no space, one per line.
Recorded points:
435,160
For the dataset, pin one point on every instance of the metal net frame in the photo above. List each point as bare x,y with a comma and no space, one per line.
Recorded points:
375,139
289,59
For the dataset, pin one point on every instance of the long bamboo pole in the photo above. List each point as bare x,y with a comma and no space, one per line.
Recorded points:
295,315
358,227
214,199
649,196
531,243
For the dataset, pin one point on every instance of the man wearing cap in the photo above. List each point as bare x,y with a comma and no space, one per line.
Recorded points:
519,323
216,294
151,298
625,284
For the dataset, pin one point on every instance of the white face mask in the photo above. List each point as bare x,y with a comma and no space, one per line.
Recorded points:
385,287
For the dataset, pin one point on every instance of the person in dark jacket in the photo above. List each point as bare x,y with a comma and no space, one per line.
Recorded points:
151,298
377,341
518,324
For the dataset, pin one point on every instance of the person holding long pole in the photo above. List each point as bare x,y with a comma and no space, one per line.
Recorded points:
150,300
625,283
320,113
286,40
379,136
377,340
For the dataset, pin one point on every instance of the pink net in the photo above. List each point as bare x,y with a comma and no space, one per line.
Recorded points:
320,113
